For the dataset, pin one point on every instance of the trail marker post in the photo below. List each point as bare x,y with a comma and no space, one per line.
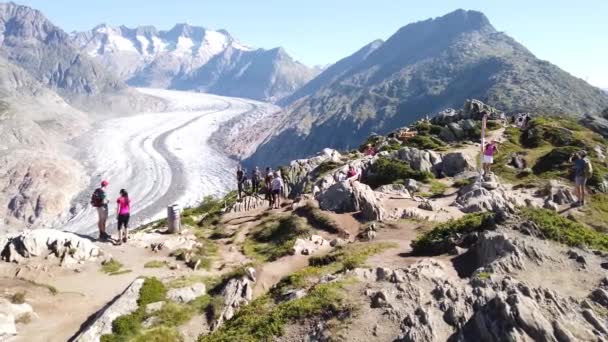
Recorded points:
484,121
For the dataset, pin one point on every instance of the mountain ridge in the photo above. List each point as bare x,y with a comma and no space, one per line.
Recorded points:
176,58
423,68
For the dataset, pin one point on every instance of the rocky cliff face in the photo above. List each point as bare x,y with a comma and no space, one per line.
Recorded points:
194,58
423,68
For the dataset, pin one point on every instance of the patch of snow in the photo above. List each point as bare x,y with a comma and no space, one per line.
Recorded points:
145,43
183,46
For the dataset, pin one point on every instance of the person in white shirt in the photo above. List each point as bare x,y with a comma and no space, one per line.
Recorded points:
277,189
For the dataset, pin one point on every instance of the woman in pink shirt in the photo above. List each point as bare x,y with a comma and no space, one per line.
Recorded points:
123,212
488,156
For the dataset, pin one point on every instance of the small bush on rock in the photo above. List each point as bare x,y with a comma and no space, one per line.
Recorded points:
18,298
440,239
558,228
152,291
389,171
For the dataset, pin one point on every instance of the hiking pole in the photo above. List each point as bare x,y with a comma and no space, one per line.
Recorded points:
483,142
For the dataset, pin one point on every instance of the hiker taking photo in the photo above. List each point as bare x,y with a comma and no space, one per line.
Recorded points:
99,201
583,170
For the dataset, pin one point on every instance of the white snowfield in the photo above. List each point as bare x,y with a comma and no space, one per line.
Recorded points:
160,158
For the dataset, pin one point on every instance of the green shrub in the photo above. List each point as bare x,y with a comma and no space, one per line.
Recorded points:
262,319
318,219
18,297
461,183
424,142
493,125
128,325
327,166
174,314
556,160
156,264
152,291
159,334
558,228
273,239
388,171
111,267
439,239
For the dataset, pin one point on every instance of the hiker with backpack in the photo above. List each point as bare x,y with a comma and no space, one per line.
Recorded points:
240,180
256,176
123,213
277,189
583,170
268,186
99,200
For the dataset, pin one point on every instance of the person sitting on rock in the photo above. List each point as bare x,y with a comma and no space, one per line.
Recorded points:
352,174
370,150
488,156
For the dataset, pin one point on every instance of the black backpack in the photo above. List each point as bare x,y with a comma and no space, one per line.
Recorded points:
97,198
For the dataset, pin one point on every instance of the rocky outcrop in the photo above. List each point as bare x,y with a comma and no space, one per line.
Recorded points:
351,197
558,193
476,198
248,203
310,245
456,163
394,190
45,243
187,294
9,313
101,323
419,160
236,293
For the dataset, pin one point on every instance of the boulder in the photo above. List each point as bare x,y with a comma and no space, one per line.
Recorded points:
411,185
47,242
398,190
550,205
101,324
558,193
468,125
419,160
475,198
310,245
187,294
517,161
446,134
351,197
7,326
237,292
457,130
154,307
248,203
455,163
427,205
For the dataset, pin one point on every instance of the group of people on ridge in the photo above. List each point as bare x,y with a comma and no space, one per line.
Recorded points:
272,186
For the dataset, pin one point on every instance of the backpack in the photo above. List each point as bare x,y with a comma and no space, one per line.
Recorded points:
588,168
97,198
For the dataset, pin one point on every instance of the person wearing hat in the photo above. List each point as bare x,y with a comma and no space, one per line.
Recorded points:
99,200
488,156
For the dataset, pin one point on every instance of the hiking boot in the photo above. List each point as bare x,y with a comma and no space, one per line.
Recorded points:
124,239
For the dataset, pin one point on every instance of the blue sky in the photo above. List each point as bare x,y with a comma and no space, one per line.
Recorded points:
571,34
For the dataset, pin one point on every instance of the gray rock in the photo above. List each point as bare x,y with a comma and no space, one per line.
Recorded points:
236,293
337,242
427,205
457,130
549,204
419,160
45,242
101,324
474,198
398,190
187,294
455,163
352,197
7,326
411,185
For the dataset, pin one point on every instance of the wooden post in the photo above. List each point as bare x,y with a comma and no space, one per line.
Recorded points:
174,219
